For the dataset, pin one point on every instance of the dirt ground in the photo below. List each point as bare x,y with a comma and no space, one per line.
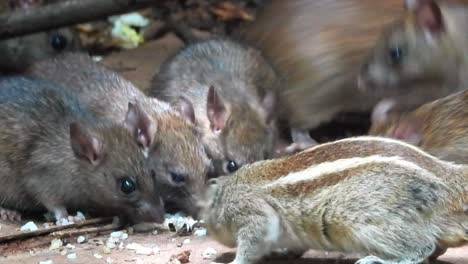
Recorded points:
168,246
138,66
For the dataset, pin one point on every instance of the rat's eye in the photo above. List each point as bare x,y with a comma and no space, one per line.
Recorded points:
177,177
127,185
232,166
58,42
396,55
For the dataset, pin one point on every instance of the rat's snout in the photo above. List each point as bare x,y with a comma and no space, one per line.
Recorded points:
151,212
192,206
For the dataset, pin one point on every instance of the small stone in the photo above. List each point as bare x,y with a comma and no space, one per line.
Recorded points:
182,257
179,244
46,262
133,246
70,246
29,226
124,236
209,253
121,246
97,58
156,250
55,244
98,256
80,216
155,232
64,222
186,241
46,225
117,234
109,260
81,239
112,242
130,230
71,256
200,232
64,252
144,251
106,250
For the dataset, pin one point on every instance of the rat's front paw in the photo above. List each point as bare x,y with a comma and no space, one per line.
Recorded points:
9,215
297,147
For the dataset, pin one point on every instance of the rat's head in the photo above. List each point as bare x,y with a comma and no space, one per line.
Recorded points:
174,151
19,53
118,179
417,50
244,134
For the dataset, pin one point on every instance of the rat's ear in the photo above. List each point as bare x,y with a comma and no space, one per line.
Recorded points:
185,108
216,111
84,145
427,13
140,125
408,129
268,104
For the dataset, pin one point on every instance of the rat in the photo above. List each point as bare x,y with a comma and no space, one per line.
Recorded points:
421,57
233,90
439,127
380,197
57,156
18,53
171,141
317,47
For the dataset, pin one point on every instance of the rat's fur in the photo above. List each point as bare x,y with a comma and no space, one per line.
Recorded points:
233,92
56,156
318,46
369,195
433,41
172,142
439,127
18,53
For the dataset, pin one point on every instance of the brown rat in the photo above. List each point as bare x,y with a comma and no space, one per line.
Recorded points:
317,46
170,140
57,156
439,127
233,91
379,197
16,54
421,57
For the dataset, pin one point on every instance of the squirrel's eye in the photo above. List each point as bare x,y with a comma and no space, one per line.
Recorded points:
127,185
58,42
232,166
396,55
